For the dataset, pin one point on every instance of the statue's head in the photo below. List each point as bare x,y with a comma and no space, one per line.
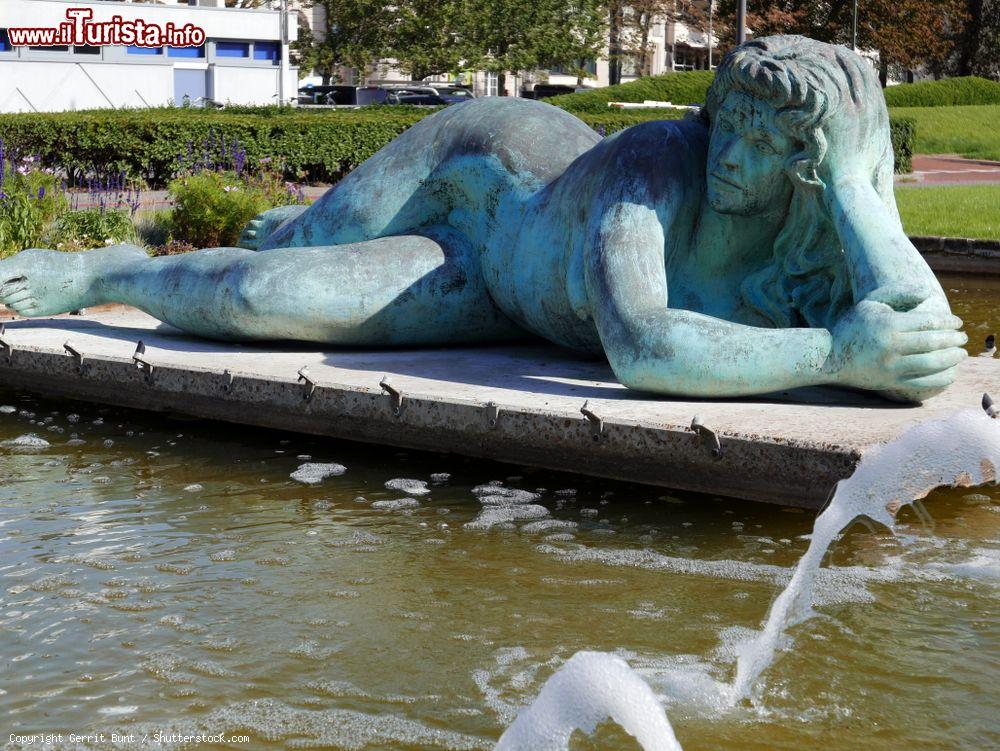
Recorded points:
785,113
775,107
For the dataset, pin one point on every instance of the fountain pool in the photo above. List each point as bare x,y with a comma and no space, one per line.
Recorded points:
169,575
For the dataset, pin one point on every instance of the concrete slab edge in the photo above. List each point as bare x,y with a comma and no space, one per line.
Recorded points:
753,467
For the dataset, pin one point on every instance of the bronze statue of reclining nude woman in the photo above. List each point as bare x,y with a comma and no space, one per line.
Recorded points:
753,248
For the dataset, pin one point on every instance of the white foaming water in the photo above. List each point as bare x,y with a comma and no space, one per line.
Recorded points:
584,692
313,473
408,486
961,450
26,443
501,507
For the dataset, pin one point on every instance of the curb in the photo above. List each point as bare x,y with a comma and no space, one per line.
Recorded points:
959,254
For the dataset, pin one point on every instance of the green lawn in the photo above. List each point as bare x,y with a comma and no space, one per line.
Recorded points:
951,211
972,131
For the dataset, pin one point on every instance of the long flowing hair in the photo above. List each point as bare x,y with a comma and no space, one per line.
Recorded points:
812,86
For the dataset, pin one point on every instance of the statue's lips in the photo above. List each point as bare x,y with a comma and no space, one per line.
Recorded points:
730,183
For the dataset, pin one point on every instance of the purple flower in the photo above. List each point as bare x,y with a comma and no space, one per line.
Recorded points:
41,193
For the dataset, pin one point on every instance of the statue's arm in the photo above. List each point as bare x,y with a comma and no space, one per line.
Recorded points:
655,348
883,264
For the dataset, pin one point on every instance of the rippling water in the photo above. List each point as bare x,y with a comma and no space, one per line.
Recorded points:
160,574
170,575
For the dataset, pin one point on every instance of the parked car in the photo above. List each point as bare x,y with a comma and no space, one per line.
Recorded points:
545,90
440,94
342,95
332,94
417,99
454,94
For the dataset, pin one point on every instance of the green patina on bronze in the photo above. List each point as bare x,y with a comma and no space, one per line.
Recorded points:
751,249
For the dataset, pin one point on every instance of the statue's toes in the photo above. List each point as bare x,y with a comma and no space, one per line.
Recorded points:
12,288
25,305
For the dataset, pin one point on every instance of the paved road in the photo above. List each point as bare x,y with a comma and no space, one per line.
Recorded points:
949,169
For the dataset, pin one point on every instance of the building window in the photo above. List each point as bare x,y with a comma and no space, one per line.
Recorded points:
267,51
232,49
86,49
589,67
4,41
186,51
144,50
55,48
492,84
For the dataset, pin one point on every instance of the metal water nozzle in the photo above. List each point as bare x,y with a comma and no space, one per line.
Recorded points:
991,409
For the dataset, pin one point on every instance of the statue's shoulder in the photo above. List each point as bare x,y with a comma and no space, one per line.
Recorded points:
658,143
653,162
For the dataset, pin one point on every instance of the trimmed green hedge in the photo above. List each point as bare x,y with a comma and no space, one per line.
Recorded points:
970,131
150,144
947,92
903,132
313,146
684,87
689,87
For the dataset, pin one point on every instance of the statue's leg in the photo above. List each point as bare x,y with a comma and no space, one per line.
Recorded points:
391,291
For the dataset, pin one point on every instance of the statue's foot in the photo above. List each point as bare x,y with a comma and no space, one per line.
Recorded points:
47,282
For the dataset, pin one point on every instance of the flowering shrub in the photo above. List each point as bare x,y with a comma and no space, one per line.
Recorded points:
215,195
93,228
211,208
29,200
111,205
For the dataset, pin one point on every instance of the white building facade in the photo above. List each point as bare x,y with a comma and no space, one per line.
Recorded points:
243,60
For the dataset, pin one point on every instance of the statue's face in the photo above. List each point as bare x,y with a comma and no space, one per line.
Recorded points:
747,157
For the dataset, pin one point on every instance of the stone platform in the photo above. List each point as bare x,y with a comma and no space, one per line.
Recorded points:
519,404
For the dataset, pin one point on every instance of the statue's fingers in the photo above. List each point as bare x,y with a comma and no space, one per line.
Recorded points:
16,297
13,285
921,321
941,379
918,342
27,307
929,362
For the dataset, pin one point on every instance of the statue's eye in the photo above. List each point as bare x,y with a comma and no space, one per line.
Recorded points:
765,148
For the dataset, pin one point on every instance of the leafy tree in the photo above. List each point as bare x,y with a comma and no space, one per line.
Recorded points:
977,50
425,36
514,35
908,33
571,35
355,35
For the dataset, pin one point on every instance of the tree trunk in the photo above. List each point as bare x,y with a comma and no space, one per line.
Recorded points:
501,83
645,58
883,70
616,17
969,44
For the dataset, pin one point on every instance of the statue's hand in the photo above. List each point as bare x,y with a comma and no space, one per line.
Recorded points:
904,297
265,223
909,356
